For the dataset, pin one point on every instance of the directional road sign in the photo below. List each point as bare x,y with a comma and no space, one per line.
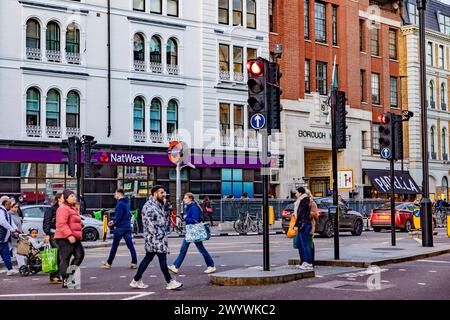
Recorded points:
257,121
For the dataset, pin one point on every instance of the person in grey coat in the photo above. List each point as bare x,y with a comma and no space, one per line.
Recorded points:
14,213
156,241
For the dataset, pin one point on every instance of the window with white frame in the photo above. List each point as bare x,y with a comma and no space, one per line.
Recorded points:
172,8
394,92
52,108
375,88
413,13
155,50
224,117
239,124
33,107
441,56
155,116
375,138
238,63
237,12
172,52
429,53
156,6
33,34
172,116
321,77
224,11
139,115
73,110
139,5
251,14
320,25
444,24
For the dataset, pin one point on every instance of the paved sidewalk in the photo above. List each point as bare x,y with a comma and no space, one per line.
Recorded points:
364,254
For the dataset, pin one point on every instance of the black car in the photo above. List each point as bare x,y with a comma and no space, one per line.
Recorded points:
349,219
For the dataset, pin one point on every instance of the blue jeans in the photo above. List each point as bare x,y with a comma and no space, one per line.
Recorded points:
120,233
5,254
162,257
201,248
304,249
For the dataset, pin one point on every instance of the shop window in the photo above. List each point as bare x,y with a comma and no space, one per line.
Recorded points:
9,169
232,182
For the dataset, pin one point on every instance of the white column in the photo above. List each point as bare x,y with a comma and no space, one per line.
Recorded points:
147,121
164,55
43,115
232,137
62,46
62,116
164,120
43,43
245,110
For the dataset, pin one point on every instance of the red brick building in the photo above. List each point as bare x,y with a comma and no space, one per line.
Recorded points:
363,37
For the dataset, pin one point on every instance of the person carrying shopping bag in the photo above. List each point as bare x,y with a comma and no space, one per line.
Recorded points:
193,216
68,234
303,225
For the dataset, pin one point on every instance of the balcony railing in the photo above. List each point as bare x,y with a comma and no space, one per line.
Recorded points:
432,104
53,132
53,55
173,69
156,137
252,142
156,67
33,53
445,157
238,77
433,155
443,106
140,136
139,65
239,141
73,58
70,132
224,141
224,75
34,131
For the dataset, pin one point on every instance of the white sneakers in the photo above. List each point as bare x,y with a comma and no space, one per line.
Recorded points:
306,266
138,284
173,269
173,285
12,272
132,266
210,270
106,265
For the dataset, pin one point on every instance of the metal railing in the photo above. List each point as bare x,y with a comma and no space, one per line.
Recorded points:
73,58
33,53
53,55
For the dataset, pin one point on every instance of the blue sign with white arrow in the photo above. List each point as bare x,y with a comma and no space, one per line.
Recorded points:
386,153
257,121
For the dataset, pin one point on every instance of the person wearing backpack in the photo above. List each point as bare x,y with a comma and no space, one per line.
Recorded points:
303,225
7,227
193,216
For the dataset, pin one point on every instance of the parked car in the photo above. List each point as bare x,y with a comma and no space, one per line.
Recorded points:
34,217
380,218
349,219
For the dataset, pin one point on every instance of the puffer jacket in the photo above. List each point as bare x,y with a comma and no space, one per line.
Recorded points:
68,223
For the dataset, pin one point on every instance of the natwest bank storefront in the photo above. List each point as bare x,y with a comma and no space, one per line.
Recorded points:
37,174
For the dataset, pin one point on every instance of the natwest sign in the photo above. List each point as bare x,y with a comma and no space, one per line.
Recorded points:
126,158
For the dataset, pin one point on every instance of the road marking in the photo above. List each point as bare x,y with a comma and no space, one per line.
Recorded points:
182,275
435,261
198,265
401,269
35,279
352,279
123,276
92,277
144,294
421,284
152,276
223,265
432,271
385,281
25,295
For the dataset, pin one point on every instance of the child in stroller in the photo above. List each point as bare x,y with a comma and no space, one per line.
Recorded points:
29,247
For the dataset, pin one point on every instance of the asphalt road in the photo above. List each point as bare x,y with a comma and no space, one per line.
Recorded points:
425,279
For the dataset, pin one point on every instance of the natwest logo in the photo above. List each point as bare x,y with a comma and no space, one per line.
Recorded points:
121,158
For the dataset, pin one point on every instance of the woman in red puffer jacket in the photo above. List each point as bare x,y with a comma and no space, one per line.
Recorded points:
68,235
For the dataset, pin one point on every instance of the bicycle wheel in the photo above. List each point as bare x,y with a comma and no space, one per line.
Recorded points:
238,226
253,226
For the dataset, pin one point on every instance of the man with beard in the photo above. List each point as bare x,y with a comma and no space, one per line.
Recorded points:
156,240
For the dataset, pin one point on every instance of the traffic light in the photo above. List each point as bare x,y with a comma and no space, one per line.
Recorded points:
273,96
257,85
398,137
385,139
69,148
88,143
340,121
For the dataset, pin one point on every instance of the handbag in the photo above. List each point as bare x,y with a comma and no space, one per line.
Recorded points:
209,209
49,260
23,246
197,232
291,233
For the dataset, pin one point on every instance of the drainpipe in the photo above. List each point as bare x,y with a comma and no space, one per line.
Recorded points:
109,68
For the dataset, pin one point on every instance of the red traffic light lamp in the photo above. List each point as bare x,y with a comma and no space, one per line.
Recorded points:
383,118
255,67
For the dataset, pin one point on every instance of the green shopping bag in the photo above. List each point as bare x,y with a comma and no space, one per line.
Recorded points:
49,257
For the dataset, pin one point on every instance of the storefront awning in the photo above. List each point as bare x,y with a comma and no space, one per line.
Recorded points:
403,182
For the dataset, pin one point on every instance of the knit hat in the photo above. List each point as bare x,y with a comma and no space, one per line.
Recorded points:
67,193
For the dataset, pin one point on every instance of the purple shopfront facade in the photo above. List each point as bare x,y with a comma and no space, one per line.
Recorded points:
215,175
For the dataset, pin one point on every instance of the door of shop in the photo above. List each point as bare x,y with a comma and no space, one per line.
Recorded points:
319,186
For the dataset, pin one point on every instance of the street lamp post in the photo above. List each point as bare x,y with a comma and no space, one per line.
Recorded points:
426,210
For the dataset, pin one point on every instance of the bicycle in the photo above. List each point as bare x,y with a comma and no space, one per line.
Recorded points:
176,222
250,223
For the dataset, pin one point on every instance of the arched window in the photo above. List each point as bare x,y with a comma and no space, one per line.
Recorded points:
155,50
33,34
73,39
52,108
33,107
138,115
431,90
73,110
53,37
155,116
432,137
139,49
172,116
444,141
172,52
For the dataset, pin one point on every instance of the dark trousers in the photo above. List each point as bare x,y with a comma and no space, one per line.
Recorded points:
54,245
303,243
162,264
120,233
5,254
66,251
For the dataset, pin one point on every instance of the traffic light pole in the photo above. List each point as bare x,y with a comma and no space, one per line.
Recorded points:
79,146
426,210
335,173
265,176
392,162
